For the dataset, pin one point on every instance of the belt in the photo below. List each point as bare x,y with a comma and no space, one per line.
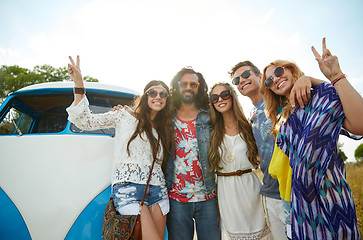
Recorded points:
236,173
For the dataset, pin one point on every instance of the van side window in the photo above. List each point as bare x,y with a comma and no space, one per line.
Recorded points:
53,120
46,113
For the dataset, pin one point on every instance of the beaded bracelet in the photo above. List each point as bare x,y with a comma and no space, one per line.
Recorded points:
337,79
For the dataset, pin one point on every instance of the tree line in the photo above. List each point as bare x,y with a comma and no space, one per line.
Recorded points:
13,78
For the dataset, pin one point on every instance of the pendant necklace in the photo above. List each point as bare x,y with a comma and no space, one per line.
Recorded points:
230,157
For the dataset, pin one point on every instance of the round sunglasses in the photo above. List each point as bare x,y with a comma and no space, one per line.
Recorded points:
226,94
184,84
246,74
153,93
279,71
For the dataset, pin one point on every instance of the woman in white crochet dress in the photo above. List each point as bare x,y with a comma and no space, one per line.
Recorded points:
141,135
232,155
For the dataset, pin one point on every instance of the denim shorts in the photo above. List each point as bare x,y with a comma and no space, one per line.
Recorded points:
128,196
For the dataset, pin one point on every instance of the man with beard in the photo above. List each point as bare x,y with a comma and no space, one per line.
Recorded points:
191,185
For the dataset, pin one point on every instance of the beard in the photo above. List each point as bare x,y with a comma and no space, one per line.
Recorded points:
189,98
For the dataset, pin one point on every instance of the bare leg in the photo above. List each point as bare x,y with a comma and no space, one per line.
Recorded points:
148,228
159,219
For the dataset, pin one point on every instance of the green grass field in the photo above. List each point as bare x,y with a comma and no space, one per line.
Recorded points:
354,178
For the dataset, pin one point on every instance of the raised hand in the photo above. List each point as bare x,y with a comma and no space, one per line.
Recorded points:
75,72
328,64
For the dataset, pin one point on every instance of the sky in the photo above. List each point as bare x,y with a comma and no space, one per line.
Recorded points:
130,42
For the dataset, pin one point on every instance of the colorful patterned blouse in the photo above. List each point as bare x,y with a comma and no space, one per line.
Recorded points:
322,201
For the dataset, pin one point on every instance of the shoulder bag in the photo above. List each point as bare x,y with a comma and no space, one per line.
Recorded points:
116,226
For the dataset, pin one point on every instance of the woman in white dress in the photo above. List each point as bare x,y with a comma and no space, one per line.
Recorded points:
141,136
233,155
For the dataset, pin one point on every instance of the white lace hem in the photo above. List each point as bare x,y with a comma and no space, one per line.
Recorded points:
132,172
263,234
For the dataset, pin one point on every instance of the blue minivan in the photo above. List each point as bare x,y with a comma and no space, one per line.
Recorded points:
54,178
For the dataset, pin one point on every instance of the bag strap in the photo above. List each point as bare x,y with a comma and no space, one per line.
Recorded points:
148,181
143,199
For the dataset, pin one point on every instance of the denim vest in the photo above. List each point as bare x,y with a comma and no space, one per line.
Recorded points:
203,129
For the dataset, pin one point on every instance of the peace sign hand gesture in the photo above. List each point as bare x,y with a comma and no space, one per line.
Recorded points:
75,72
328,64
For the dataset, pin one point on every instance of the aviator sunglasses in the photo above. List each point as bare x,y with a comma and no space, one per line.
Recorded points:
153,93
246,74
279,71
226,94
193,85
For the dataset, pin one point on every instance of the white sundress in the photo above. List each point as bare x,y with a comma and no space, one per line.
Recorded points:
239,200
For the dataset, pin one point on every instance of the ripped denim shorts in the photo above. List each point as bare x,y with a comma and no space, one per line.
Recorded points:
127,197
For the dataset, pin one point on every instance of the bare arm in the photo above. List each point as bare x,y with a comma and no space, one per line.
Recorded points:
75,73
351,100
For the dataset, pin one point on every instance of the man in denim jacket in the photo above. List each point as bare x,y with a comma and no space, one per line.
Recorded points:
191,185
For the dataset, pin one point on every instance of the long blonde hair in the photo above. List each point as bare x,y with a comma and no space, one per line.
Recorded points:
217,134
273,101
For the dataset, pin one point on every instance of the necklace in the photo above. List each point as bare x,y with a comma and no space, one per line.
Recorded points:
230,157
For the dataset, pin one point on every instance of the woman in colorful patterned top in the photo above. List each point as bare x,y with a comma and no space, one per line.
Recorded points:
141,136
232,155
322,201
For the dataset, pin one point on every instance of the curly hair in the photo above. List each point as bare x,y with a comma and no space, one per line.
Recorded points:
162,122
273,101
202,100
217,134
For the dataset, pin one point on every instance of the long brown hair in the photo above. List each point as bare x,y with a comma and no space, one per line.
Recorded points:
217,134
273,101
162,122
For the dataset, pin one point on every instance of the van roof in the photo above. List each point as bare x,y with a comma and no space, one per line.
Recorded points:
88,85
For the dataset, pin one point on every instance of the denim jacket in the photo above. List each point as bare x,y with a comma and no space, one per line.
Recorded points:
203,129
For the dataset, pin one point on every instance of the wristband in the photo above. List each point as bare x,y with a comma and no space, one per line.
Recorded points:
337,79
79,90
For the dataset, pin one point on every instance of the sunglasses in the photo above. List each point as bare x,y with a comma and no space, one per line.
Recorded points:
279,71
246,74
153,93
193,85
226,94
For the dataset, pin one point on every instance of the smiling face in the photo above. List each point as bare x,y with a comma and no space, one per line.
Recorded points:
188,87
221,105
158,102
280,85
247,86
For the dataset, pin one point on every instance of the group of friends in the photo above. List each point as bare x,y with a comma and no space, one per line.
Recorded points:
207,151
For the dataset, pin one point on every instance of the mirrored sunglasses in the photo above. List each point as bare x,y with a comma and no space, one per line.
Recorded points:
246,74
226,94
153,93
191,84
279,71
